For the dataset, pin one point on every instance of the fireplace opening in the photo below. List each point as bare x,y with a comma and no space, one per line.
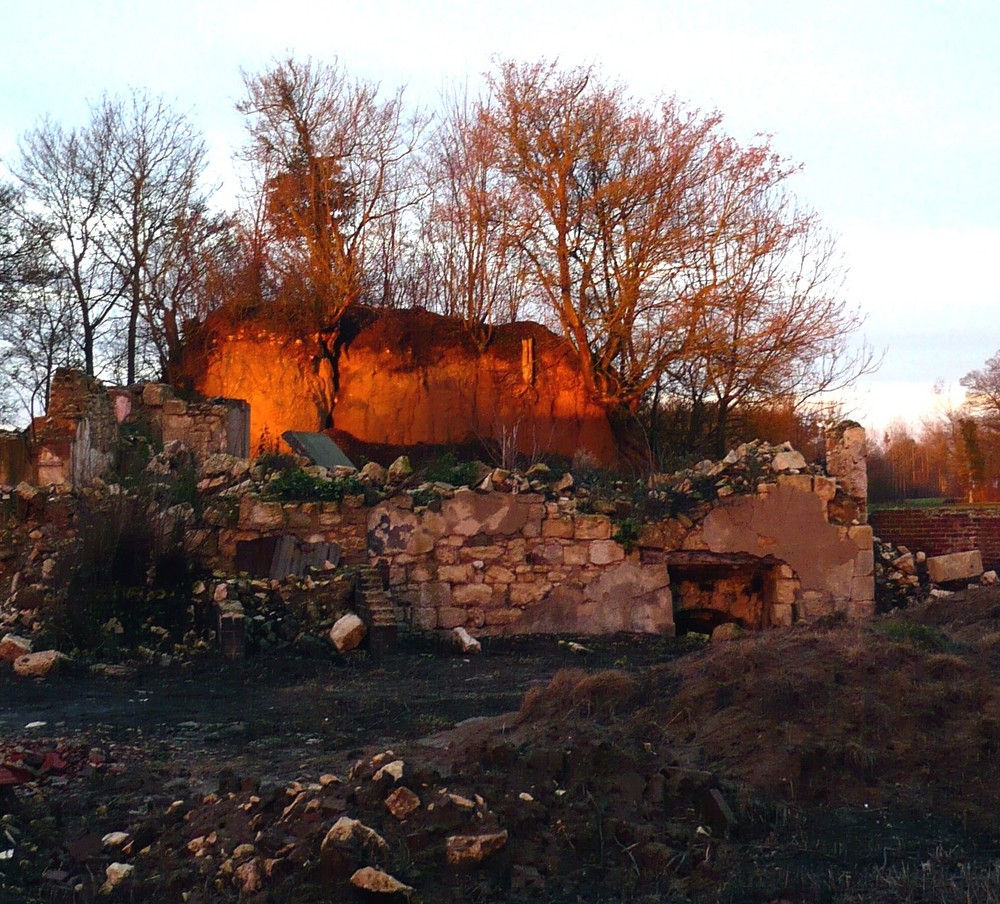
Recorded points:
711,590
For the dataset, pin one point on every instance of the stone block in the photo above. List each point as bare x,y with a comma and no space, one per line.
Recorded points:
38,665
561,527
435,594
862,535
592,527
456,574
861,609
781,615
13,647
450,617
799,482
824,487
550,553
576,554
472,595
957,566
864,563
526,594
785,591
498,574
423,618
347,633
155,394
605,552
421,572
863,587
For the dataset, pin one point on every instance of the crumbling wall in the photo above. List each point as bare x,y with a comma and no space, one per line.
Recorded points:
514,563
77,439
408,378
15,461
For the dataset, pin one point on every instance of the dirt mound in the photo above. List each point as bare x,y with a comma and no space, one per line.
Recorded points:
832,762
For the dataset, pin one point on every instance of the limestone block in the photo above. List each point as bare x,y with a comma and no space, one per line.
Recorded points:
526,594
423,618
501,618
450,617
420,572
561,526
576,554
13,647
861,609
862,535
435,594
802,483
456,574
465,642
592,527
605,552
155,394
175,407
787,461
489,553
347,633
264,516
864,563
958,566
471,594
785,591
863,588
824,487
550,553
498,574
463,849
38,665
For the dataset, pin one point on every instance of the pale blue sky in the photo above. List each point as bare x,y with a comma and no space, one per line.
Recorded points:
893,107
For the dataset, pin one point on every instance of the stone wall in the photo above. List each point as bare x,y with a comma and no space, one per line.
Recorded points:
76,441
503,563
15,462
344,524
943,530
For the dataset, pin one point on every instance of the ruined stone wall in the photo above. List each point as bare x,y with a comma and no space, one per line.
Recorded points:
342,523
500,563
508,563
205,426
15,463
943,530
77,439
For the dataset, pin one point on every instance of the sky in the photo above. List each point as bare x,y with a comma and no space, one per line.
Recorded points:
891,106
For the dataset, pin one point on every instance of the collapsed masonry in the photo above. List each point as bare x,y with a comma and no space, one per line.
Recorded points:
761,539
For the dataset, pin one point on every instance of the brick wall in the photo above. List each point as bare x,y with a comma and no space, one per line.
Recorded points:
938,531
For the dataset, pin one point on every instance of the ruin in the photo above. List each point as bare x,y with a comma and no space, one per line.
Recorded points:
776,541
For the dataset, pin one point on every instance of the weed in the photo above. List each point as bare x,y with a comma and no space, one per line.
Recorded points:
926,637
294,484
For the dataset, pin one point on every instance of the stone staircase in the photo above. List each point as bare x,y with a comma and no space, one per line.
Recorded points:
376,609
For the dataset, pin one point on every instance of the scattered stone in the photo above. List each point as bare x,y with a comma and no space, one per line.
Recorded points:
12,647
957,566
393,770
989,578
402,802
374,473
399,470
465,642
788,461
939,594
115,839
347,633
39,665
116,873
374,881
726,631
462,849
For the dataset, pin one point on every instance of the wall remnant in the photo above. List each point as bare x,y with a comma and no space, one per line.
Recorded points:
943,529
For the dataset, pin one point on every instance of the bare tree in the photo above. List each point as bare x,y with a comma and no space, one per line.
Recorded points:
471,233
330,156
982,391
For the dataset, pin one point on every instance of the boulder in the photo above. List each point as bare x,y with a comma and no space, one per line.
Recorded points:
347,633
402,802
957,566
14,647
399,470
38,665
788,461
374,473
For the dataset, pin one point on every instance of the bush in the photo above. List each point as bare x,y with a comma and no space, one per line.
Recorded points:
294,484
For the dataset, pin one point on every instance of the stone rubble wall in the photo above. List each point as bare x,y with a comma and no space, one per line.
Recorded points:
343,523
76,440
502,563
15,461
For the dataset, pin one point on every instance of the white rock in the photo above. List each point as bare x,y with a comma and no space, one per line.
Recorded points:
115,839
116,874
347,633
393,770
465,641
989,578
788,461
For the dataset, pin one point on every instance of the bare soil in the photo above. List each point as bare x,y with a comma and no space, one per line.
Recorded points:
829,762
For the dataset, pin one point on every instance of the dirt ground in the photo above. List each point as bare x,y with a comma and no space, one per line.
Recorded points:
829,762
